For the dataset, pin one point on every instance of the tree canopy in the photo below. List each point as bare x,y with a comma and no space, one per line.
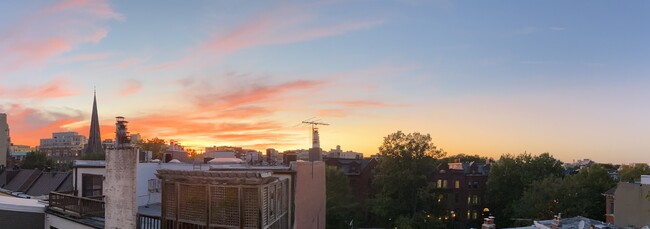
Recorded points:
36,160
511,175
341,206
157,147
634,172
405,194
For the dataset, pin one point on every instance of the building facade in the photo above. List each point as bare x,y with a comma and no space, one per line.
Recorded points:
463,187
63,147
5,140
626,204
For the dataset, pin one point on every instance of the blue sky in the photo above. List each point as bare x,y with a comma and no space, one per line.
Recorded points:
569,78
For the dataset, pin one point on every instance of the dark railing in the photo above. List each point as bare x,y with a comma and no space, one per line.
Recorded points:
148,222
79,206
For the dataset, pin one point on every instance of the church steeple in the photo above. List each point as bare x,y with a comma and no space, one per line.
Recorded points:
94,138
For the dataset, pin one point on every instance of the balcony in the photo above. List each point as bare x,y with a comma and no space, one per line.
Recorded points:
77,206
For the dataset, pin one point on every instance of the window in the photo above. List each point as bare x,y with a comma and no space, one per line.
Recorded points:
474,214
91,185
475,199
439,185
468,214
611,207
469,199
457,184
444,184
440,197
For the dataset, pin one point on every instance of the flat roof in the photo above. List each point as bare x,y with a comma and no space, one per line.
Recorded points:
21,205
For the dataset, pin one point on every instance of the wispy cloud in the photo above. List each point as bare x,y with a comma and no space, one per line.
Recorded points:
56,88
366,103
130,87
53,30
269,28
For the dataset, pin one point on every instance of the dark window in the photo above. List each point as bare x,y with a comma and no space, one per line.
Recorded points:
611,207
91,185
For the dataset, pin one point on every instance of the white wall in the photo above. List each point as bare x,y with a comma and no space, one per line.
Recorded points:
58,222
80,171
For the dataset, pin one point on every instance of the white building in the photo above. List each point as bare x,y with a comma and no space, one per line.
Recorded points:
63,147
338,153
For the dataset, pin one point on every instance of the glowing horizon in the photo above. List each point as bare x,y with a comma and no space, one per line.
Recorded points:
482,78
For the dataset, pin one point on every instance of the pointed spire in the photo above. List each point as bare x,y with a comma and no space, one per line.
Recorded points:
94,138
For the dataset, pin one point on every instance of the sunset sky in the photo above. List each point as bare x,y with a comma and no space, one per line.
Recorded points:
567,77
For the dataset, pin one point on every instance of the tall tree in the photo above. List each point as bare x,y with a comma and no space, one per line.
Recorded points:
36,160
342,209
405,196
157,147
511,175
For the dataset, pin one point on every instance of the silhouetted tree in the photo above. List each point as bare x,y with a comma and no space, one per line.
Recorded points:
405,194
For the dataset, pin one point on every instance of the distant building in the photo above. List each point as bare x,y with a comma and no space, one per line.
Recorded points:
63,147
626,204
21,148
464,184
5,140
338,153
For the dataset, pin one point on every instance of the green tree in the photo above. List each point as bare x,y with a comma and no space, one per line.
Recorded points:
575,195
511,175
157,147
36,160
341,205
629,172
405,194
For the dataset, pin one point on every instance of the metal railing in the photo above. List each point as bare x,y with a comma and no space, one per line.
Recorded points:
78,206
148,222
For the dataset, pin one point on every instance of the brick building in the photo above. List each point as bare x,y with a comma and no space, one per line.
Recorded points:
464,188
360,175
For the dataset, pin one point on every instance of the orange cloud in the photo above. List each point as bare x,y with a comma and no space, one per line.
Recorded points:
29,125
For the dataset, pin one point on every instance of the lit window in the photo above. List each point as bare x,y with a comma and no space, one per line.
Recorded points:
444,184
475,199
439,184
440,198
468,214
474,214
457,184
469,199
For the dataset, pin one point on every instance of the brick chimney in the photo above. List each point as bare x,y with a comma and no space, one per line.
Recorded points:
488,223
556,221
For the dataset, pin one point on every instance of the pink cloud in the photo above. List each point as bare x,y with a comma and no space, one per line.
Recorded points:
269,28
56,88
131,86
59,28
